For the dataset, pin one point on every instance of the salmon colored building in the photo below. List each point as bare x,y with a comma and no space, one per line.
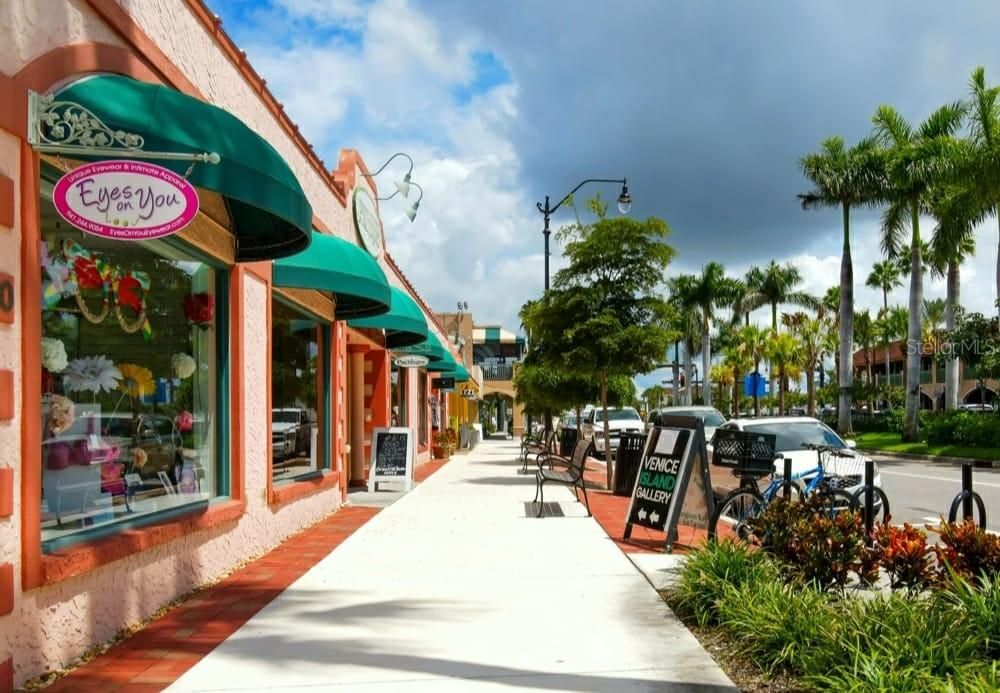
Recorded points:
200,324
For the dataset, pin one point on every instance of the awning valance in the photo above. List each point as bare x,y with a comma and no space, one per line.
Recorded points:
332,264
460,374
270,214
404,324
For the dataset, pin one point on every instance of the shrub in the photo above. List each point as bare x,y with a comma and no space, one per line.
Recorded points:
968,429
779,625
969,551
898,643
709,569
814,546
905,556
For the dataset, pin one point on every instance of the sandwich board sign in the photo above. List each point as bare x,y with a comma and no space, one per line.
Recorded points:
391,457
673,484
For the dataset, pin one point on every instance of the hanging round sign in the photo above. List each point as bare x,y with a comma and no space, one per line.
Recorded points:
366,222
125,200
411,361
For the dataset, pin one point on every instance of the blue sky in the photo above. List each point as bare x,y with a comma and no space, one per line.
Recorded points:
706,107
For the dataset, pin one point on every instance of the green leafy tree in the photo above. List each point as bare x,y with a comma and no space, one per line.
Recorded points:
686,321
864,335
811,333
753,343
918,157
848,178
784,352
603,316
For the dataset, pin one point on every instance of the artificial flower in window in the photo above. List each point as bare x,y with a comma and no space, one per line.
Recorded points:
136,381
199,309
94,374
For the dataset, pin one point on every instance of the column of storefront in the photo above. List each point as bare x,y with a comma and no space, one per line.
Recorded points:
356,411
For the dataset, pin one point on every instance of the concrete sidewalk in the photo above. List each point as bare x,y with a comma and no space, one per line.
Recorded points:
454,588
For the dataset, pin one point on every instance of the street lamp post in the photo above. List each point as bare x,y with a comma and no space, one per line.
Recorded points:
624,205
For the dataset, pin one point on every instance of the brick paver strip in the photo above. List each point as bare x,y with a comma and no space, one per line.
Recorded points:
156,656
609,511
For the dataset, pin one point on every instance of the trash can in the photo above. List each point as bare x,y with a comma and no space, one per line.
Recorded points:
567,439
627,461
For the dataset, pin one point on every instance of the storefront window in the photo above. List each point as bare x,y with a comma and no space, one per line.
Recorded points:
129,380
399,378
295,395
424,406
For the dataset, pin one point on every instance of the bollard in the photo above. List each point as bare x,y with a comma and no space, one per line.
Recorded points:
967,490
869,498
787,481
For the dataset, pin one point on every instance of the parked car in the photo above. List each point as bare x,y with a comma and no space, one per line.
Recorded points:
794,433
710,417
976,407
291,432
620,420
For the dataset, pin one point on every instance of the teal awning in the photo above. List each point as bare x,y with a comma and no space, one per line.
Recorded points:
447,362
332,264
404,324
271,216
460,374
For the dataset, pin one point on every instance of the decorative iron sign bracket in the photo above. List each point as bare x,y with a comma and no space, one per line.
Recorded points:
64,127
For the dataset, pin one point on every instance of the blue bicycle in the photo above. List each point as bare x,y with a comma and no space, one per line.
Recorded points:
735,512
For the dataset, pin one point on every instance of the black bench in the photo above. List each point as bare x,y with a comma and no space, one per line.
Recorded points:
537,448
572,475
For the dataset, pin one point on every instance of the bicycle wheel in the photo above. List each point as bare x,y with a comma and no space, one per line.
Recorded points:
733,515
880,501
835,501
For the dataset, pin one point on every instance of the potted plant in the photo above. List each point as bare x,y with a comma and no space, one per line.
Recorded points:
441,445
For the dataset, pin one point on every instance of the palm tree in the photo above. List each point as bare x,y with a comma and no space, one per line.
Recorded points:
723,376
684,298
737,359
784,351
776,285
753,345
745,299
984,124
864,334
846,178
811,333
829,307
884,276
933,319
710,290
917,158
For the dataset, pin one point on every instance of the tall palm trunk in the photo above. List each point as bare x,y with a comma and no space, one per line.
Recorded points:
888,380
688,371
845,375
782,386
676,366
607,428
770,364
997,212
952,301
736,393
911,424
869,357
706,361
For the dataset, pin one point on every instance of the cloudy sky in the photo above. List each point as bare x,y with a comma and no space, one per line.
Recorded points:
706,107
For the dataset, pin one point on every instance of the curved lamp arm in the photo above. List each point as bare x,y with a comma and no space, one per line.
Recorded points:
388,161
565,197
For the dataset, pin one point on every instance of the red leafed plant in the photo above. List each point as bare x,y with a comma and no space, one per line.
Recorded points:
969,551
199,308
905,556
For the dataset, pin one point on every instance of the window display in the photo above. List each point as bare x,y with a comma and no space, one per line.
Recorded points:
295,445
129,391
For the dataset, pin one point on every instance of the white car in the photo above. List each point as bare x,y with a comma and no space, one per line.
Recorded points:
794,434
710,417
620,420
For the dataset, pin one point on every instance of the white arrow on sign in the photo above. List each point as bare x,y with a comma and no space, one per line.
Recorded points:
642,514
654,517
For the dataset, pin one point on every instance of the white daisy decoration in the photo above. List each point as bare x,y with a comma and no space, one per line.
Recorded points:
53,355
184,365
91,374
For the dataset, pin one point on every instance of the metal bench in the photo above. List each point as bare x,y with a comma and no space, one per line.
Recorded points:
572,475
537,449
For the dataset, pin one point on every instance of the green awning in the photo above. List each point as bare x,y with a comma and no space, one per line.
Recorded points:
332,264
404,324
460,374
446,363
271,216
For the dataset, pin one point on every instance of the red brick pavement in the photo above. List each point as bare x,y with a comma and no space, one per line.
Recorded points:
157,655
609,510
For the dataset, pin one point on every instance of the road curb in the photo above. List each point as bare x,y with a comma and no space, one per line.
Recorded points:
937,459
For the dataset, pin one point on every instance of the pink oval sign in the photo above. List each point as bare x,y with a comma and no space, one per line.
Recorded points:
125,200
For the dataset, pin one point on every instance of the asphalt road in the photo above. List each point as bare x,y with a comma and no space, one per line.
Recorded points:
920,492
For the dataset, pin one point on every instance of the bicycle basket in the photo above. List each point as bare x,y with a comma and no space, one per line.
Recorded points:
744,452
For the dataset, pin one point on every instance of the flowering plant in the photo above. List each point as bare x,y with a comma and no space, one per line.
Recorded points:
136,380
199,309
62,414
139,458
184,365
184,421
91,374
54,358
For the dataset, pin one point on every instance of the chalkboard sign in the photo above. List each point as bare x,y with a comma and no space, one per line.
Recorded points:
391,457
674,455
